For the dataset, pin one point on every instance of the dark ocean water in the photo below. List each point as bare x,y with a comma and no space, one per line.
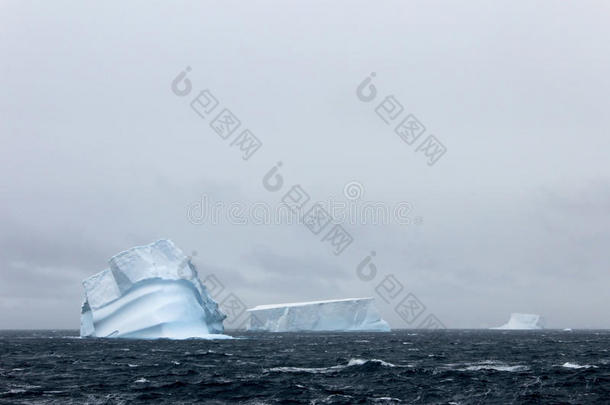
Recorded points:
409,366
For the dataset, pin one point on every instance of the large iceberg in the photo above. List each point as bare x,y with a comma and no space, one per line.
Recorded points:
523,322
351,314
149,292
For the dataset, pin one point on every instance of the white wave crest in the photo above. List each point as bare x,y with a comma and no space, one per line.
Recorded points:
494,365
574,365
322,370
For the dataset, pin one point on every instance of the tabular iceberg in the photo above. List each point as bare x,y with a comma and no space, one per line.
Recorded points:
351,314
149,292
523,321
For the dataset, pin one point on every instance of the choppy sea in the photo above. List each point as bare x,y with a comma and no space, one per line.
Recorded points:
400,367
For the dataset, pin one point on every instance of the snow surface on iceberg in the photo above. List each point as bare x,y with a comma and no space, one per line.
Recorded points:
149,292
523,321
351,314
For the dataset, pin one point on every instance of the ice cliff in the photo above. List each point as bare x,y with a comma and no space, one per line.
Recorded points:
352,314
523,321
149,292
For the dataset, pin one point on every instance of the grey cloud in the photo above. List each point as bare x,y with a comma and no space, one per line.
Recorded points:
98,154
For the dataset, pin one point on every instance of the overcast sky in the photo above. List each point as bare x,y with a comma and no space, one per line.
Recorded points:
99,155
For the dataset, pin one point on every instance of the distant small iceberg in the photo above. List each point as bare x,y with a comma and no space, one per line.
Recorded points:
523,322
